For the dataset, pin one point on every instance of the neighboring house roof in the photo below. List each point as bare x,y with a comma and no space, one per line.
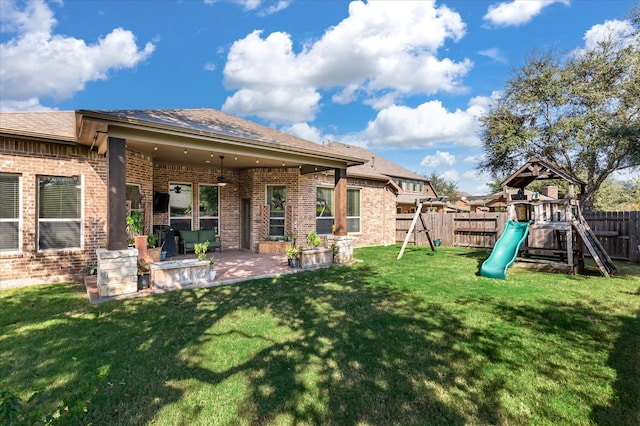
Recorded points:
59,125
375,165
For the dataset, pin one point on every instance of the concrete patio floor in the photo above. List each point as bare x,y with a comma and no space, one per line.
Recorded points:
232,266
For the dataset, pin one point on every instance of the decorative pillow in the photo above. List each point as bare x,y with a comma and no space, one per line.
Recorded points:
189,237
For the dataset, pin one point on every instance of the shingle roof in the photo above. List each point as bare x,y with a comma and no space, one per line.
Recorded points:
59,124
375,164
214,122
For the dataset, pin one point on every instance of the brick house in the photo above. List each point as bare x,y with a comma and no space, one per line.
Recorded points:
409,185
68,180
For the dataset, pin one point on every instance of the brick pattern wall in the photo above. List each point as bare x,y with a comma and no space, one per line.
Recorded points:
30,159
139,172
377,210
229,207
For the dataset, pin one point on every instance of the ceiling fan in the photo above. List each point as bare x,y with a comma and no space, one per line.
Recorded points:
222,181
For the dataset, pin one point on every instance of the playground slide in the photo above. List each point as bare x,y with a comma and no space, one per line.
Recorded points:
505,251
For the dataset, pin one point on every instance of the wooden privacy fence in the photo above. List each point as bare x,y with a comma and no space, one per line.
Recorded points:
619,232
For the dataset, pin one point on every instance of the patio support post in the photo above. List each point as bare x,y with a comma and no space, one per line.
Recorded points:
340,215
116,198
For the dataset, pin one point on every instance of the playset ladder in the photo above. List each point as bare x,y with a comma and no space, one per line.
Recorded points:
410,231
599,254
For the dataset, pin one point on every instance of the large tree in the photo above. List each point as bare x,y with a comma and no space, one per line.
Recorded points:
442,186
580,110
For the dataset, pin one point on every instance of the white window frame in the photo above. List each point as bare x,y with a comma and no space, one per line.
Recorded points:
190,217
200,217
80,220
325,218
282,218
359,217
19,219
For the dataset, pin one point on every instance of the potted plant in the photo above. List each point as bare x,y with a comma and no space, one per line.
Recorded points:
292,257
135,225
91,268
201,251
312,255
152,249
143,274
313,240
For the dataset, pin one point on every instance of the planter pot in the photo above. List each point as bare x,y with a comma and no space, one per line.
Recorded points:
315,258
273,247
154,254
143,282
293,262
212,274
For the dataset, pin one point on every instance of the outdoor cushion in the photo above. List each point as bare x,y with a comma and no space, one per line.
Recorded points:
190,237
207,235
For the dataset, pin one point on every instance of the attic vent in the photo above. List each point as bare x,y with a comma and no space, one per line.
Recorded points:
373,161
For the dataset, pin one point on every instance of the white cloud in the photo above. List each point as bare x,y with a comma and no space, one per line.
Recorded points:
517,12
427,125
209,66
451,175
32,104
305,131
437,160
615,30
495,54
69,62
277,104
251,5
275,7
391,53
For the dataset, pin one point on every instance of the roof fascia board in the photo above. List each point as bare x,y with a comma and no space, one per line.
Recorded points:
120,127
37,137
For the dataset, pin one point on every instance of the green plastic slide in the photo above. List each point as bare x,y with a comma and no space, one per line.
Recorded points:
505,251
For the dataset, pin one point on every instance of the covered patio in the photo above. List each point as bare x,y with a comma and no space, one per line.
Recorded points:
232,267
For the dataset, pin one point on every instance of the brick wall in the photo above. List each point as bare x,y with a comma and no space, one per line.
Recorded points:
30,159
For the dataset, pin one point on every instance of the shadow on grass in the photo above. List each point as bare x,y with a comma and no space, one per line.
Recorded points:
355,351
625,359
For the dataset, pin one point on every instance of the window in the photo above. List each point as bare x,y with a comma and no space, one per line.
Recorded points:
324,211
353,210
209,207
276,199
9,212
180,206
134,195
59,212
325,215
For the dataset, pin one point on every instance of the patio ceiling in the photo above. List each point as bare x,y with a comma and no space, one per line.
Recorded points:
192,145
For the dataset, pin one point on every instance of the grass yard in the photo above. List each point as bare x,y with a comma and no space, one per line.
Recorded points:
419,341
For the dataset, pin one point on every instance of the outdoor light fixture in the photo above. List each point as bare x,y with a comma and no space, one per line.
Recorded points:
185,150
222,181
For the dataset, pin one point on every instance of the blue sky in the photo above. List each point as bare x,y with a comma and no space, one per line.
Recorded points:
407,80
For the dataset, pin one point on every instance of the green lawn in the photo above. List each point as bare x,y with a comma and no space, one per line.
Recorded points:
419,341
